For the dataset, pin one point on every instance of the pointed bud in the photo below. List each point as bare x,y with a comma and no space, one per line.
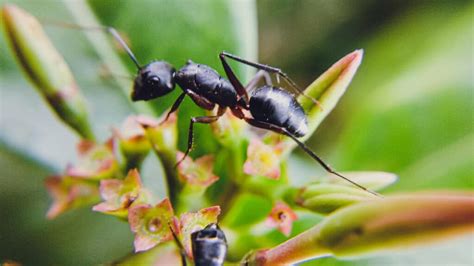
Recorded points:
46,68
326,198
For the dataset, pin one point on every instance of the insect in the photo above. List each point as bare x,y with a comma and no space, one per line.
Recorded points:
209,246
271,107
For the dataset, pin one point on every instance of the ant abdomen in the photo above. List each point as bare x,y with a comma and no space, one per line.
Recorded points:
276,106
153,80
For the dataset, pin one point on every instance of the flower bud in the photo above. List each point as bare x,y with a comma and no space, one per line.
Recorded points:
46,68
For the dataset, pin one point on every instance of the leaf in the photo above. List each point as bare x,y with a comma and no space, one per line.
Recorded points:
327,89
394,222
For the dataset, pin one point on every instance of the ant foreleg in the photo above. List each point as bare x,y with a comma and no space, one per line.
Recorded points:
270,69
112,31
174,107
203,120
328,168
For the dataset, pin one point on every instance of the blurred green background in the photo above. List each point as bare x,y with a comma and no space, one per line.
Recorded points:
409,109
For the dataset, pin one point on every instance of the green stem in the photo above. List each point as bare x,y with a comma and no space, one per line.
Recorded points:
168,160
236,176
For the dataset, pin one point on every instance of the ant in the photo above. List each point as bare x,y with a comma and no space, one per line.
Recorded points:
209,246
271,107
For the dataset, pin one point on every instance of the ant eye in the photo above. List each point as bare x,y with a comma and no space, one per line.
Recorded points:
153,80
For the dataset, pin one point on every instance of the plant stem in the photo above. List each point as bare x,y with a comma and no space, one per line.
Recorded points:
297,249
236,177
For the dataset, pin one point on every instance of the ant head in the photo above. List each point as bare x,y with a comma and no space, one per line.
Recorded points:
210,232
153,80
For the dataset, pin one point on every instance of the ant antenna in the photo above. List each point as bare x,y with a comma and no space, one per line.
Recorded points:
108,29
180,246
275,71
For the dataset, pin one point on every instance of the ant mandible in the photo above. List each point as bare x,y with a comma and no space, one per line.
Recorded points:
271,107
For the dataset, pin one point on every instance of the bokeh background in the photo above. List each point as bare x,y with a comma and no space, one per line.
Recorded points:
409,109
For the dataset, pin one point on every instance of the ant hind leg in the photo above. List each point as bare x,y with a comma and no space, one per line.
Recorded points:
271,69
306,149
261,74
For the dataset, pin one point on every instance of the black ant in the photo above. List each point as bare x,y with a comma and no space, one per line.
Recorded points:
209,246
271,107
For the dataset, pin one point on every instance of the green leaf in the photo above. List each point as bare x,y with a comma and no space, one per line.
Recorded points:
327,89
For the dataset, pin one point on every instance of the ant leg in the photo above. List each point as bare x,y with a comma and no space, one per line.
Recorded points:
203,120
174,107
234,80
253,83
305,148
112,31
200,101
270,69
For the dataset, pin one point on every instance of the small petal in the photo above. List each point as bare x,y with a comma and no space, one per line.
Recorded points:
281,217
197,173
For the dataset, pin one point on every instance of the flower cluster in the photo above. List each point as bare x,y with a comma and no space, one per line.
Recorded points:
245,180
